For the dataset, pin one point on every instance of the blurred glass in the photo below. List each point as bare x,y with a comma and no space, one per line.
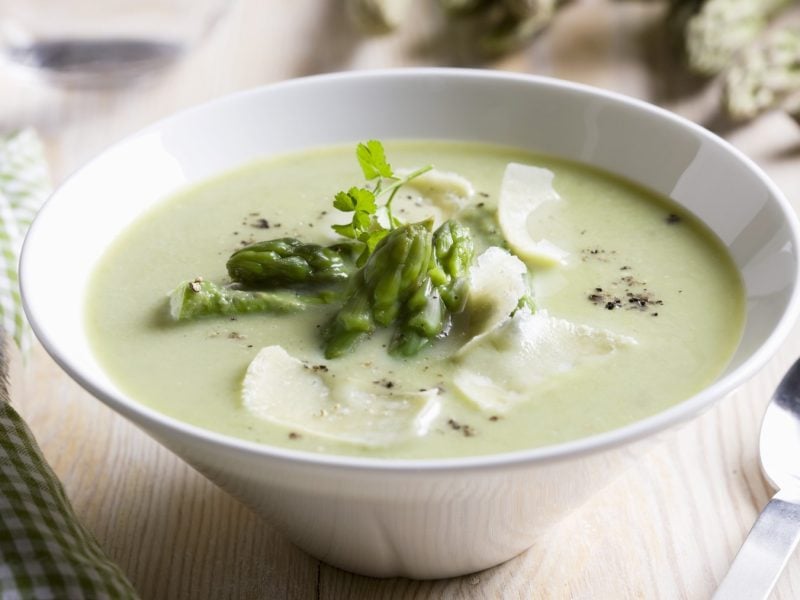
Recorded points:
102,42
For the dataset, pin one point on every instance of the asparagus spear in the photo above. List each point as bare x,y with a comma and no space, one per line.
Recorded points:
352,323
426,318
286,261
722,27
199,298
399,269
453,252
426,315
394,272
766,75
483,221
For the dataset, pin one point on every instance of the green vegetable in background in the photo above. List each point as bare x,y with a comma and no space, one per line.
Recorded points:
766,76
515,23
723,27
286,261
495,26
741,40
377,16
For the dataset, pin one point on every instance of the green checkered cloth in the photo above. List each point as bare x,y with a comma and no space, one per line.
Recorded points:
45,553
24,184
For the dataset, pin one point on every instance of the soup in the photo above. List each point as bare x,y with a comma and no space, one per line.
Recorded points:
630,306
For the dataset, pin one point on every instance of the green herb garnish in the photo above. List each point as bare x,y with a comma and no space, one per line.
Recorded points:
365,226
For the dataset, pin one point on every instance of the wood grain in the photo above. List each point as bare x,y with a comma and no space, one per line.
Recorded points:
666,529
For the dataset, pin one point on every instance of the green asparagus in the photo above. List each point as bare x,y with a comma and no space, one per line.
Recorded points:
425,318
353,322
398,268
722,27
766,76
453,253
286,261
392,274
483,221
426,314
199,298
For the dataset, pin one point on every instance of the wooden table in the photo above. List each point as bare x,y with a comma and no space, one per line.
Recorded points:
666,529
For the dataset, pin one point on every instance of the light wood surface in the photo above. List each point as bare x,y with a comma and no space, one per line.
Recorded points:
666,529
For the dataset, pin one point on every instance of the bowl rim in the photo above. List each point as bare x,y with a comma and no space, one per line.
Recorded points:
597,443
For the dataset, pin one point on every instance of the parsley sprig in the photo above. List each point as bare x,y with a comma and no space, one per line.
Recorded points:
362,201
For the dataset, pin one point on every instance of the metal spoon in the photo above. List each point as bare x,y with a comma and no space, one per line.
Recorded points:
773,538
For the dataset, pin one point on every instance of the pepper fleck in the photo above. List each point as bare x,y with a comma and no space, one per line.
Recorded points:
672,218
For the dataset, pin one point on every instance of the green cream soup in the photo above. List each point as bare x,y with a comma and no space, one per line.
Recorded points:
645,296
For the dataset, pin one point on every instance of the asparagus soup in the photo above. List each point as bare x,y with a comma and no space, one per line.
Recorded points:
457,299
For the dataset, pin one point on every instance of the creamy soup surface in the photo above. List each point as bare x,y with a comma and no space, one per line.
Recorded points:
637,266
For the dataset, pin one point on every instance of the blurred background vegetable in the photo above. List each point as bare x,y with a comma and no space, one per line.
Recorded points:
745,44
767,75
721,28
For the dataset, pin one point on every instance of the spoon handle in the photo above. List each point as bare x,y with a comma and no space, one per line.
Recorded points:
765,551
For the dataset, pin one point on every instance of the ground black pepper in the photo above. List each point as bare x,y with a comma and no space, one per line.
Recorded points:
637,296
466,430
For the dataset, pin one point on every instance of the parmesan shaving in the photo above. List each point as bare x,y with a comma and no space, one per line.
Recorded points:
286,391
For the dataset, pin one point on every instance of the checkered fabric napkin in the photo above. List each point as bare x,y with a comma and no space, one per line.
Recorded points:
45,553
24,184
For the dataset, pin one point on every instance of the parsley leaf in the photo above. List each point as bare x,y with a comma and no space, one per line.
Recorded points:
364,226
372,159
355,199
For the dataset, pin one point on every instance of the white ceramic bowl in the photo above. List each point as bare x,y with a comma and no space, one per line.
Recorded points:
417,518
